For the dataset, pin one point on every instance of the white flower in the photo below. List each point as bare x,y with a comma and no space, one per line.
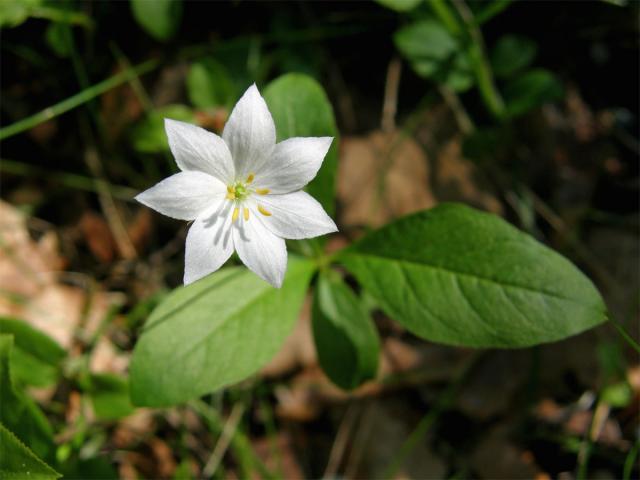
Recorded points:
243,191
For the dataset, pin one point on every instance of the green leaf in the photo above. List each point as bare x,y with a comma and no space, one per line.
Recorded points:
213,333
511,54
532,89
209,84
110,396
58,37
463,277
17,462
19,413
149,136
346,340
300,108
434,53
15,12
618,395
159,18
35,358
427,42
400,5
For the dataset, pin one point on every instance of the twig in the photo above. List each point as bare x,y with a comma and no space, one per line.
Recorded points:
229,430
108,205
390,104
340,443
453,101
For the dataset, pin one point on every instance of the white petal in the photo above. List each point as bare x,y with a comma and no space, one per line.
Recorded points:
295,215
293,164
209,242
198,149
250,132
183,195
260,250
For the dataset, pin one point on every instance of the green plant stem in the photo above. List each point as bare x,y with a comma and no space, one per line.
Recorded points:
630,461
61,16
70,180
444,401
77,99
481,68
447,17
492,10
624,334
239,443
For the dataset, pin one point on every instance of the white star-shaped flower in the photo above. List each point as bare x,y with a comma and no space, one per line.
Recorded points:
243,191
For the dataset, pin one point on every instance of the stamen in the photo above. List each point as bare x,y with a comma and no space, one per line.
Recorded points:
236,212
231,189
250,178
262,191
264,211
231,196
245,213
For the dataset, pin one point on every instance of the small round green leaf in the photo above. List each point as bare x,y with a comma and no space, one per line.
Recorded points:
149,136
209,84
213,333
463,277
532,89
346,340
159,18
511,54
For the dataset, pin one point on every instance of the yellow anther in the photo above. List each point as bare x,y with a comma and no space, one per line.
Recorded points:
231,189
231,196
264,211
245,213
262,191
236,212
250,178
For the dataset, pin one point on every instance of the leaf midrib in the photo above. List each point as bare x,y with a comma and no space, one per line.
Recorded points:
450,271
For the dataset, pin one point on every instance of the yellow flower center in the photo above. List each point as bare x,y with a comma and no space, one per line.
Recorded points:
241,190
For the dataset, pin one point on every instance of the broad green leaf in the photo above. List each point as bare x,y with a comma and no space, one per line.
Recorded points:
400,5
35,357
300,108
19,413
159,18
463,277
213,333
511,54
15,12
210,85
149,136
17,462
110,396
346,340
532,89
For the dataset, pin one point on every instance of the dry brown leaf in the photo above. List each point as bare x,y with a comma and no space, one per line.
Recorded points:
30,280
456,179
98,236
382,176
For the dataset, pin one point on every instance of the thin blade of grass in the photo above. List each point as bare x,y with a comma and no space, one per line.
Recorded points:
77,99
